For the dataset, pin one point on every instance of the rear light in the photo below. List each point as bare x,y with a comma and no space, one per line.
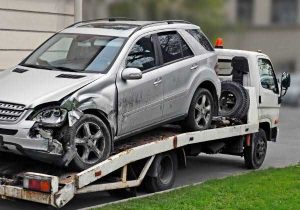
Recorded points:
40,182
37,185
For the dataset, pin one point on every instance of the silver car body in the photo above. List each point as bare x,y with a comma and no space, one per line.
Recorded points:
130,107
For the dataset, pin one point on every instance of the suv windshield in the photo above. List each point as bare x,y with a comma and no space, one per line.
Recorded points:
76,52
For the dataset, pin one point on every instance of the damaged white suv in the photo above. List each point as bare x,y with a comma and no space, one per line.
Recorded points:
99,81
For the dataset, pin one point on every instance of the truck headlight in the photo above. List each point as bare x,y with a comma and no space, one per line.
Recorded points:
51,117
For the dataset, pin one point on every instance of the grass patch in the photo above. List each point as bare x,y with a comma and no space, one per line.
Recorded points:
268,189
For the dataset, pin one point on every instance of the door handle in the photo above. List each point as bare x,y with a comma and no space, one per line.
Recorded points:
194,67
157,82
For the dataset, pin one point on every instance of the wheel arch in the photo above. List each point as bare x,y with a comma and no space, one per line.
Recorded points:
103,116
266,126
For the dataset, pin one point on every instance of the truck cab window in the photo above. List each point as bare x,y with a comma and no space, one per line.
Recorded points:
142,55
267,75
224,67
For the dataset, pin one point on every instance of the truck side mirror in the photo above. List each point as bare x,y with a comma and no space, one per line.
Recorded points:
285,83
132,74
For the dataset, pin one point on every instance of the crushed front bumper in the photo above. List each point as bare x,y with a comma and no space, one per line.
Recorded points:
14,138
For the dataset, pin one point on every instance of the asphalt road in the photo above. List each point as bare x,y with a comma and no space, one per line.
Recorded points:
204,167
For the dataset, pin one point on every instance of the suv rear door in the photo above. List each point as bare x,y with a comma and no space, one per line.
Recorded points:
176,65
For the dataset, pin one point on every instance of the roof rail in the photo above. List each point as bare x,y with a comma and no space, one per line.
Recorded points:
160,22
109,19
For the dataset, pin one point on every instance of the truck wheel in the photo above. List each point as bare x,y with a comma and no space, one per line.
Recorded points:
200,112
162,173
92,141
234,100
255,154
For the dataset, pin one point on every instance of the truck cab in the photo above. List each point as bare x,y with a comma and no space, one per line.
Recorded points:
262,77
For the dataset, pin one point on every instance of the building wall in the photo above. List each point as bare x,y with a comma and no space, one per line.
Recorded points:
25,24
279,41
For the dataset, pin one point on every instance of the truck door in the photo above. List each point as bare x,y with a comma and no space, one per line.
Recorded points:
140,101
269,91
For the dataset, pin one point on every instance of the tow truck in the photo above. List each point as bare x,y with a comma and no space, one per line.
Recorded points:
152,158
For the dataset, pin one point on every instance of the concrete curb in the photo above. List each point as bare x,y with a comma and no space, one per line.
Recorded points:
139,197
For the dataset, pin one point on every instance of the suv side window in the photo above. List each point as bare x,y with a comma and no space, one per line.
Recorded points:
173,47
267,75
201,38
142,55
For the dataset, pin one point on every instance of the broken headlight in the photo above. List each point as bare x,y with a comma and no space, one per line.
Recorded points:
51,117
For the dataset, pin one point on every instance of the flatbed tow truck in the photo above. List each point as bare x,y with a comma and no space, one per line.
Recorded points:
134,161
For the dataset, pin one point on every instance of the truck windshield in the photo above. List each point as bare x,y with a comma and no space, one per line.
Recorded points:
76,52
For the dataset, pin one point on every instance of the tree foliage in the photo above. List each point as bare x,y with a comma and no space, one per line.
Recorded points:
206,13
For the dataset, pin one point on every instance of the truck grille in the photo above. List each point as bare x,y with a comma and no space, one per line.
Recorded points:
10,112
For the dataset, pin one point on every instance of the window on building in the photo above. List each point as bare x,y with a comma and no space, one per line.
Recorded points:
142,55
173,47
285,11
245,11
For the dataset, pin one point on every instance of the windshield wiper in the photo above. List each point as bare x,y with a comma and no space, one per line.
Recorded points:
50,67
37,66
64,69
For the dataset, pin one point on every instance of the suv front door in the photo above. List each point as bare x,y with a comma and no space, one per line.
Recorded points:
269,91
140,101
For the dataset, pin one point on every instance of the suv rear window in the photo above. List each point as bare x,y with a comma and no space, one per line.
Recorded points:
173,47
201,38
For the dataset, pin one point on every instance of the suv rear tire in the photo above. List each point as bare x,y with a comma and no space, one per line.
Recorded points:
201,111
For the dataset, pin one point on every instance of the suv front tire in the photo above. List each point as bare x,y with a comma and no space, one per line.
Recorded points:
91,138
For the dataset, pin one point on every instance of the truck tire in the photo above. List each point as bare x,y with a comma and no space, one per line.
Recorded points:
201,111
255,154
163,173
91,138
234,100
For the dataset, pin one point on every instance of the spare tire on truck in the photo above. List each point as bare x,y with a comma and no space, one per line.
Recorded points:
234,100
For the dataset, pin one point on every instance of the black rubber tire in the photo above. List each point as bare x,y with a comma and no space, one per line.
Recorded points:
189,124
238,108
253,160
70,134
156,183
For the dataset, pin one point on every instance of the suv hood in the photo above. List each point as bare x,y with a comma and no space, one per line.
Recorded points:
38,86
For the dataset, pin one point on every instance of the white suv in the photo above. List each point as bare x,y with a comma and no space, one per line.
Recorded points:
99,81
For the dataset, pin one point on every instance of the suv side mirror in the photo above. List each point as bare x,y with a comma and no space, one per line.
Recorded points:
285,83
132,74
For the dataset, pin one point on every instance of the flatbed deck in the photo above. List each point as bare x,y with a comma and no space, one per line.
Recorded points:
65,184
